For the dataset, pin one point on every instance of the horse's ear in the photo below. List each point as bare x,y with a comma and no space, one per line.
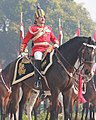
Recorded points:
89,40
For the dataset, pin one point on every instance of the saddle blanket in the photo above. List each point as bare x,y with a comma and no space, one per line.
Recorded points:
24,67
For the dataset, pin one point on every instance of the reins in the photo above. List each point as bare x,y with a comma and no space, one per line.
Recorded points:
38,71
60,62
2,80
82,59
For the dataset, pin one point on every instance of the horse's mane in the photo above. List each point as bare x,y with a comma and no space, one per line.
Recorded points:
77,41
70,49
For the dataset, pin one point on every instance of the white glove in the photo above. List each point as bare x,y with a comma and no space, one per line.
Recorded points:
56,45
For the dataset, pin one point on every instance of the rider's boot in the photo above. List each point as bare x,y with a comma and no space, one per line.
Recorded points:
37,77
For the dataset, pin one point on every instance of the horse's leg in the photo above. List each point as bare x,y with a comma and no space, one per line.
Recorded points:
53,111
11,117
60,98
14,100
91,109
77,105
67,102
15,118
73,103
35,114
87,109
47,114
31,102
24,99
83,111
3,109
93,115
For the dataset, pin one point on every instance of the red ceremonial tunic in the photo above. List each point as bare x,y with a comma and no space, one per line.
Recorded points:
41,37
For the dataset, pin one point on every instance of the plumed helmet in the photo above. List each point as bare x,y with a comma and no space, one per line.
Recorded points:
40,12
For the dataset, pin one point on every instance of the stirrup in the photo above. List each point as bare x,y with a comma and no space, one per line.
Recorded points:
38,85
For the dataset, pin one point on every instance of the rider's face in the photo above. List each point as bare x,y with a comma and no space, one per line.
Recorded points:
41,20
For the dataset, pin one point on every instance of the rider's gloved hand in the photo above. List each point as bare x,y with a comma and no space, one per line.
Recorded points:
24,52
56,46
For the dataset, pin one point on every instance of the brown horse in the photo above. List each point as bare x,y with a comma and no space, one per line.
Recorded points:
92,112
14,99
90,96
62,67
5,92
58,78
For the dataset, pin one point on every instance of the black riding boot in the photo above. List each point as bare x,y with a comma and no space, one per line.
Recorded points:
37,77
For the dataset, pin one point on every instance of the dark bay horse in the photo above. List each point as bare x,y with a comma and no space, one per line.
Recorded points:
59,76
5,92
60,72
90,96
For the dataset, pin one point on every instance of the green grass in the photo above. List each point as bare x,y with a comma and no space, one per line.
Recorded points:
43,115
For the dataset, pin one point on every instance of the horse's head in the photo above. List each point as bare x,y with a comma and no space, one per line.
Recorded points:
86,56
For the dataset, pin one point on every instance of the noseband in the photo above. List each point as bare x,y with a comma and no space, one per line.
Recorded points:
86,63
82,55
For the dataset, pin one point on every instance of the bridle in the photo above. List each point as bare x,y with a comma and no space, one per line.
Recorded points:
87,62
82,51
82,61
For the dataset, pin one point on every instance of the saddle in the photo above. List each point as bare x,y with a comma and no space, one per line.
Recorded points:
24,67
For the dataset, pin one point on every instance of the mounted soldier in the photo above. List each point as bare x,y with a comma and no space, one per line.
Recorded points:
41,36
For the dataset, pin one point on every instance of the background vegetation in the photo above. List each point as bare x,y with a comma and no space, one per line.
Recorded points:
70,13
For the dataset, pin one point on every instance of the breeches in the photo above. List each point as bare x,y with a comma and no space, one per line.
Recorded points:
38,55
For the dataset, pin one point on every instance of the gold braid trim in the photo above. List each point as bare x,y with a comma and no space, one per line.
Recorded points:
39,32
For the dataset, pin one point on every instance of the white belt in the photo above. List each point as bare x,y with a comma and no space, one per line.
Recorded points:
41,43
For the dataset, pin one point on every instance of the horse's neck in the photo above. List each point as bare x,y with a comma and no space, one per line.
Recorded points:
7,76
70,57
